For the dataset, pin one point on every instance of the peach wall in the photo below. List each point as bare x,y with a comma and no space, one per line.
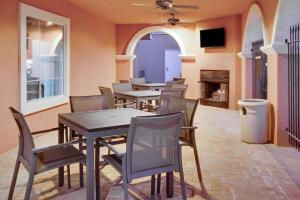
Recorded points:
223,58
92,61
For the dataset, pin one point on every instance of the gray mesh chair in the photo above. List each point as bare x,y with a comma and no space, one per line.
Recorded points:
164,98
93,103
155,138
38,160
138,80
180,86
187,136
179,80
122,87
113,102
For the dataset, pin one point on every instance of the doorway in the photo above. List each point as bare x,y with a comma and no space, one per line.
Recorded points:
259,66
157,58
172,64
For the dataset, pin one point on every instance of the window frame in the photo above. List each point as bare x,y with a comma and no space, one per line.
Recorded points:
28,107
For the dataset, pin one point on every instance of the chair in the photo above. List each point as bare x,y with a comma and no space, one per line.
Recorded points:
164,98
122,87
155,138
137,80
187,136
93,103
113,102
39,160
180,86
179,80
124,81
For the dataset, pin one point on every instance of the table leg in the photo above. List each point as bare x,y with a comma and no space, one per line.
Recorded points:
170,185
61,169
90,186
138,104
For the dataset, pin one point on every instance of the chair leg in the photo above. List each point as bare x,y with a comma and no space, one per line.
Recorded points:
97,168
14,180
158,183
197,164
152,185
183,189
68,139
182,183
81,182
108,152
29,185
125,188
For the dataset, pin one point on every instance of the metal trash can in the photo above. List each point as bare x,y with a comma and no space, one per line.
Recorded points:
254,120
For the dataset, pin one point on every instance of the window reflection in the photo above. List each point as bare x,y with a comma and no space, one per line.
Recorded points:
45,59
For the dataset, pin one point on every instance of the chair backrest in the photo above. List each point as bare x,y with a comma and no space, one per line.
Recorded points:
180,86
164,98
26,143
89,103
107,92
138,80
152,145
124,81
179,80
122,87
189,106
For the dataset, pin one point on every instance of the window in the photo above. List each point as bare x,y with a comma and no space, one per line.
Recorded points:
44,59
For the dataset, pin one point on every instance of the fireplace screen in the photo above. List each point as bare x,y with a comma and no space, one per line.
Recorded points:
214,88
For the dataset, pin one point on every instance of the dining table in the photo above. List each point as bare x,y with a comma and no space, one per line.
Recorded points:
98,124
138,96
149,86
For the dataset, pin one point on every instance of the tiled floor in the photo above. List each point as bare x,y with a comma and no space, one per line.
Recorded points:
231,169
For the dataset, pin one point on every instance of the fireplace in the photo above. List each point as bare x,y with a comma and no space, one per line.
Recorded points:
214,88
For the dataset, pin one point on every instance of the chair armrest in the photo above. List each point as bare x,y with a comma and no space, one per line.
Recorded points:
124,104
112,148
189,127
44,131
42,149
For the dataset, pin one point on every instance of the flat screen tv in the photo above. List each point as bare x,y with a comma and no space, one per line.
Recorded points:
212,38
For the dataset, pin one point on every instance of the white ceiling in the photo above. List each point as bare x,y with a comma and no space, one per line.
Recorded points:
123,12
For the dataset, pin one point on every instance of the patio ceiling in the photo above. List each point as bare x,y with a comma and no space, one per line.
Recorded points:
124,12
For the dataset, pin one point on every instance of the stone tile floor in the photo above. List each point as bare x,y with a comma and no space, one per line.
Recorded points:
231,169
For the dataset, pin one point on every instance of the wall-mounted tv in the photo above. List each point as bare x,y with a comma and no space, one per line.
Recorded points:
212,38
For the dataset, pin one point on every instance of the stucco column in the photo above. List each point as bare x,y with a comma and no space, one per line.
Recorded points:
190,72
278,97
123,67
246,75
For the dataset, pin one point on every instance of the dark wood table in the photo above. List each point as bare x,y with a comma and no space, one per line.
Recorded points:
138,96
93,125
149,86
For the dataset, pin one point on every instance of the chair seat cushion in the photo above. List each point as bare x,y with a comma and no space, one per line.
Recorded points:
58,156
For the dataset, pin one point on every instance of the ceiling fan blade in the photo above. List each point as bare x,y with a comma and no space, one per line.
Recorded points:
173,10
142,4
186,6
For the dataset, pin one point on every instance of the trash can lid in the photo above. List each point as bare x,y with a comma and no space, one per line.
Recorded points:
253,102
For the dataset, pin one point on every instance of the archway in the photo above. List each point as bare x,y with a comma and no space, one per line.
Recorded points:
157,58
140,34
254,31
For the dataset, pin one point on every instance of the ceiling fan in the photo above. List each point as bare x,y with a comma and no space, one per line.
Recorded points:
169,6
173,20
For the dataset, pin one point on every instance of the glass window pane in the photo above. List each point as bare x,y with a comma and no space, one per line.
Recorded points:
45,59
